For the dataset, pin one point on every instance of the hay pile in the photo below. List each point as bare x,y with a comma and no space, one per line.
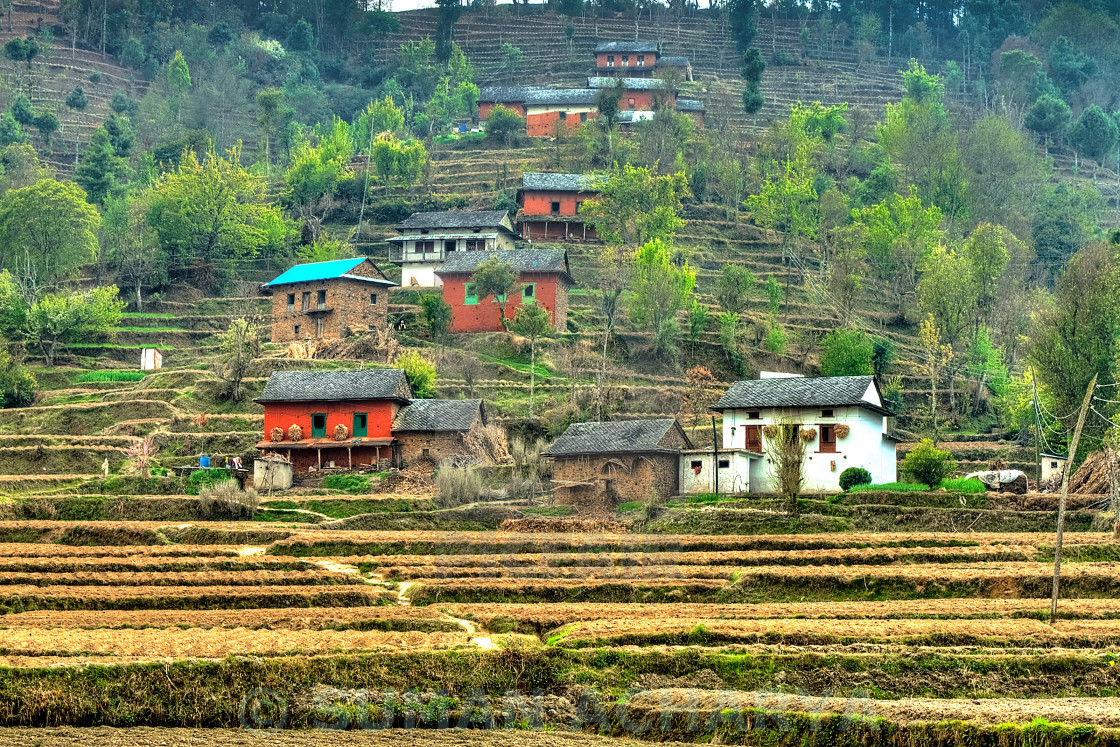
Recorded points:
1091,477
563,526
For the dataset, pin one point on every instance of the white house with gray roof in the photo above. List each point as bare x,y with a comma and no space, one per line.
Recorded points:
846,415
427,239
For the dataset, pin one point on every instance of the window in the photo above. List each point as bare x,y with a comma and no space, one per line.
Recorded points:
501,299
554,207
319,425
423,230
563,116
754,438
372,299
826,413
528,292
425,453
361,422
291,302
1053,465
697,465
583,116
449,245
470,296
476,245
754,415
425,246
641,60
610,60
320,326
631,103
321,300
296,330
828,439
724,463
305,301
625,60
579,204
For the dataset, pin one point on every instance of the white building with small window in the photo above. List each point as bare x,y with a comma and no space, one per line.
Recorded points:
843,418
427,239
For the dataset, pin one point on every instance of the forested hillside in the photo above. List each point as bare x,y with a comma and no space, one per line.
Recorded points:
923,192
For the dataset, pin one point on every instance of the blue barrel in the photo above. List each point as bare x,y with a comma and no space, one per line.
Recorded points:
462,128
204,462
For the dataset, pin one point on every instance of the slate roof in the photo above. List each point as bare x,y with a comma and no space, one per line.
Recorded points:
523,260
672,62
557,182
619,436
437,415
538,95
629,46
690,105
335,386
630,84
502,93
456,219
825,391
323,271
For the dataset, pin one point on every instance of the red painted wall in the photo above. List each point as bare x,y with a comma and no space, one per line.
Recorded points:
484,109
639,101
650,60
544,124
540,202
485,316
282,414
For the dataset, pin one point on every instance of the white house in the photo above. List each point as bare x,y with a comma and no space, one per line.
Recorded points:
845,413
734,471
427,238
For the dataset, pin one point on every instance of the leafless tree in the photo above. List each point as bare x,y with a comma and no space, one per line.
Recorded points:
786,452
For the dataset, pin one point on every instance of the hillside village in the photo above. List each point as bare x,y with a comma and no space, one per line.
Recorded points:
581,373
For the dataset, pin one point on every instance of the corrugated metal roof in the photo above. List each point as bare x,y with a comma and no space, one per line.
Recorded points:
557,182
824,391
620,436
334,386
317,271
437,415
523,260
629,46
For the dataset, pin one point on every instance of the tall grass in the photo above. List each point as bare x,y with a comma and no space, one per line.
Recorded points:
96,377
966,485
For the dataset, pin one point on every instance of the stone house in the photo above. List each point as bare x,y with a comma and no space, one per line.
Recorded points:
543,277
328,300
844,415
548,206
427,239
433,429
596,466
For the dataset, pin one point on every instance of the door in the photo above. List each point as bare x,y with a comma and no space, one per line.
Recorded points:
754,438
828,439
361,421
319,425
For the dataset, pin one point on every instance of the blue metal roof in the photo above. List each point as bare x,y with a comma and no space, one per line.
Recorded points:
317,271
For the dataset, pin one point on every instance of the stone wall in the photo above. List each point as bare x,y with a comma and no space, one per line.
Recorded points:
440,445
614,479
351,304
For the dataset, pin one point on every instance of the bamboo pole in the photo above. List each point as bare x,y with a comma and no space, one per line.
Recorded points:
1065,496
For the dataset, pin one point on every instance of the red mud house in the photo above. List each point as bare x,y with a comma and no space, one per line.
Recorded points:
548,112
637,59
427,239
543,277
353,419
328,300
548,206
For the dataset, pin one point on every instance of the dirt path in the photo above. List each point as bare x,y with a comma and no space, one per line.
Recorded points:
473,629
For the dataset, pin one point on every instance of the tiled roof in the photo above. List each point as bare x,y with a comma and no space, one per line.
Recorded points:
437,415
456,219
672,62
613,437
535,95
629,46
690,105
630,84
557,182
504,94
825,391
334,386
523,260
322,271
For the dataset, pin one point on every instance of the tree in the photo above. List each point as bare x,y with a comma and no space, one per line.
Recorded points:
928,464
141,452
436,314
397,161
495,278
211,210
1048,117
947,292
77,100
300,37
380,115
514,57
785,452
901,233
134,245
17,385
734,287
505,124
937,357
701,389
660,288
533,321
272,113
240,345
635,206
743,15
21,110
121,134
47,124
47,232
420,372
319,165
10,131
100,169
1069,66
1093,135
1065,219
751,72
987,252
55,321
178,81
847,352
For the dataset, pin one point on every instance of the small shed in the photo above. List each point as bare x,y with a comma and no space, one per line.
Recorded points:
273,472
150,359
697,475
1052,468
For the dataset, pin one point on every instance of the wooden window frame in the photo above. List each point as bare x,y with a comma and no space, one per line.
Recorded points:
470,296
529,293
822,442
291,302
372,299
363,430
322,433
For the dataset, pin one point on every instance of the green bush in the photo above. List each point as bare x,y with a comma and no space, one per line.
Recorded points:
928,464
853,476
347,483
966,485
97,377
889,487
204,478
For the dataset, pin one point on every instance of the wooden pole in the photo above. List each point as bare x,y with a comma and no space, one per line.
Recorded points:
715,455
1065,495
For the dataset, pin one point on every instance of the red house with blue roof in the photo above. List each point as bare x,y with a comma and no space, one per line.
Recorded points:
328,300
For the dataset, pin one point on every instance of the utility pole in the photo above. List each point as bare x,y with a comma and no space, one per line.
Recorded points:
715,455
1065,495
1038,435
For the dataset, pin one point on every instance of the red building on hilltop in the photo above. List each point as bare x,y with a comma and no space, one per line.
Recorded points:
549,206
543,277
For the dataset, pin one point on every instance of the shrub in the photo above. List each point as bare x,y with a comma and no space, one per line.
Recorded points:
966,485
853,476
95,76
228,499
420,372
348,483
204,478
928,464
458,485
